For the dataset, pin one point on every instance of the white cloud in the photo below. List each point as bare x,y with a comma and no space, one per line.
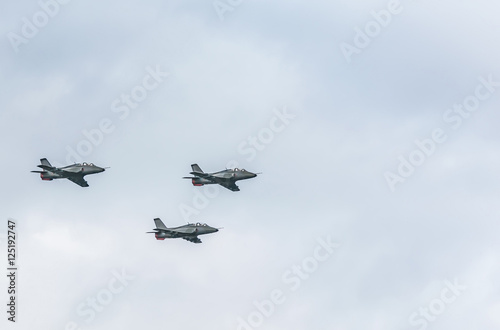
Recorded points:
321,176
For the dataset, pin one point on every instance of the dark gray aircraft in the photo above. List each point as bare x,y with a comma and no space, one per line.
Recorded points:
188,232
74,173
226,178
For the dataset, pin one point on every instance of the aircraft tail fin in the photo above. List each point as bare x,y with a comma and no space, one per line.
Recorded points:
45,162
196,168
159,224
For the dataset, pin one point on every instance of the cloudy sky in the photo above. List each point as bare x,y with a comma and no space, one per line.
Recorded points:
375,124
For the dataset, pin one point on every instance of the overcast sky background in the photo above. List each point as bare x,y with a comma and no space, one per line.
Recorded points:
323,175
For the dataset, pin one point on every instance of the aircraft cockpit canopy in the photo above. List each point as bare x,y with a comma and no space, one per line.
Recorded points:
201,224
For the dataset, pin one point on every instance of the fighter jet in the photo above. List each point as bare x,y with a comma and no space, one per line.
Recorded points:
226,178
74,173
188,232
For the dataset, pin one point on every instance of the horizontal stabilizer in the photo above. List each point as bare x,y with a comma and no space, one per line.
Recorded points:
45,167
42,172
200,174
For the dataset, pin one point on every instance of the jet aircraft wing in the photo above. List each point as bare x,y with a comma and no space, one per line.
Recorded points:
78,180
193,239
229,185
